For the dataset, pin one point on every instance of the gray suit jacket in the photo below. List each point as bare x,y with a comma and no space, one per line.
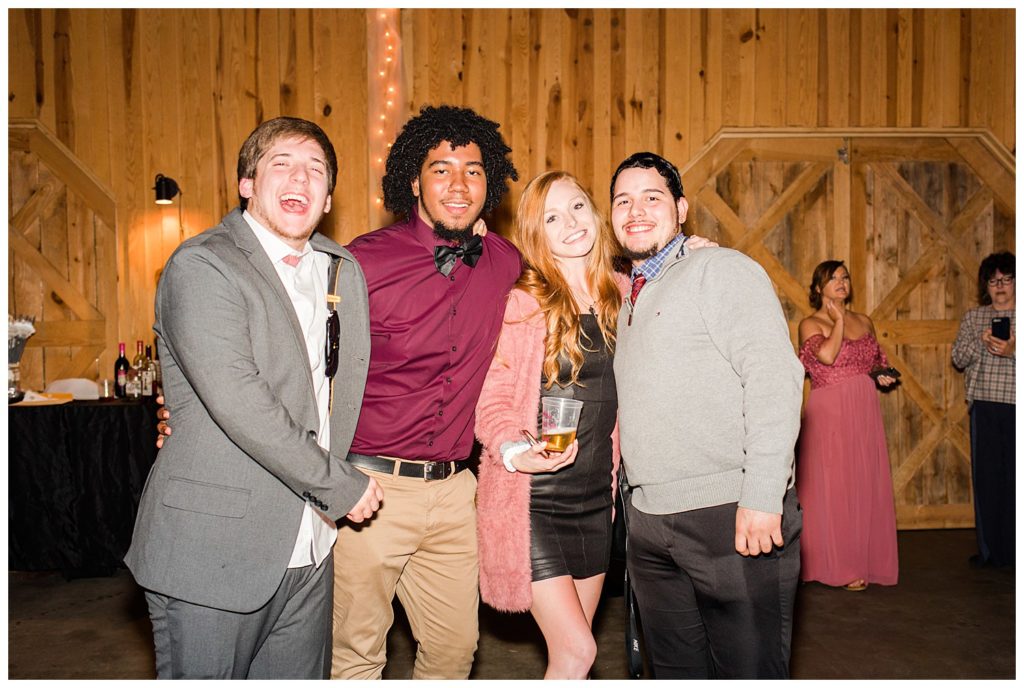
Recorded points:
222,505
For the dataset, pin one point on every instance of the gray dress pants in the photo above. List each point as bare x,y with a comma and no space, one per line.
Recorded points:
287,638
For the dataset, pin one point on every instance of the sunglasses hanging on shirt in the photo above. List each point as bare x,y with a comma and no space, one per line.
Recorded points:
333,343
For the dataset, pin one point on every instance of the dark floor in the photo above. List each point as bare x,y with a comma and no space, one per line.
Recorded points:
943,621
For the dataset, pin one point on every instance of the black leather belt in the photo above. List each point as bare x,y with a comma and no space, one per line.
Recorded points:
426,470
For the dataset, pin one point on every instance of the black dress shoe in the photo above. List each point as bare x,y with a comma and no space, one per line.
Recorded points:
976,562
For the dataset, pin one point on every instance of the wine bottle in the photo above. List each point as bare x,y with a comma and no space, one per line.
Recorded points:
120,372
138,361
147,373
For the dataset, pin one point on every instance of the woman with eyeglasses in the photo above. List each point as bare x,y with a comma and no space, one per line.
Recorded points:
985,350
842,469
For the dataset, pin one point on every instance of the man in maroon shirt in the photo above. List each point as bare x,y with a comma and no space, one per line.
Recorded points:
437,295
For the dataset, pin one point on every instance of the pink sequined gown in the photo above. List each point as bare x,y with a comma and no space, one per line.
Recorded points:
842,470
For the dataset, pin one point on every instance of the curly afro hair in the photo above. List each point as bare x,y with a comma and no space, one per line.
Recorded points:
421,134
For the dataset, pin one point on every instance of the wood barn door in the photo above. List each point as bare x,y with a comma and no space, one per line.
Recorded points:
912,214
62,265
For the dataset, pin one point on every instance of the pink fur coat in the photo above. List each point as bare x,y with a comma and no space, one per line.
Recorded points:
508,403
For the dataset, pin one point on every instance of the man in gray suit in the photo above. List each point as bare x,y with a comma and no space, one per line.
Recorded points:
264,334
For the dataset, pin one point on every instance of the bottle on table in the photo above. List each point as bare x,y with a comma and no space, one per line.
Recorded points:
140,358
139,366
158,375
121,373
133,385
147,373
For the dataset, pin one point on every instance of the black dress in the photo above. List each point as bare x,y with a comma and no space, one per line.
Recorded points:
571,510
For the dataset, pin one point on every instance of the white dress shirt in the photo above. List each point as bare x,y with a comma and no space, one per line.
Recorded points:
306,284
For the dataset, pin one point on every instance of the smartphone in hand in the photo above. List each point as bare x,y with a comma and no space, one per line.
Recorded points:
1001,328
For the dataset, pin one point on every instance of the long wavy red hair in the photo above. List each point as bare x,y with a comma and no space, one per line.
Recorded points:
543,280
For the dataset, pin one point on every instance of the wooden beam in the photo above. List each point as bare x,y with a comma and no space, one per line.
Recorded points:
841,215
926,265
66,166
913,389
932,516
79,365
922,212
709,162
69,333
898,150
730,225
39,207
917,458
860,222
957,436
991,173
995,147
796,149
860,133
917,332
959,439
782,205
977,204
793,290
49,274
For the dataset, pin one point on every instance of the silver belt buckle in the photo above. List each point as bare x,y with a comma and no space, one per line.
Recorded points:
428,470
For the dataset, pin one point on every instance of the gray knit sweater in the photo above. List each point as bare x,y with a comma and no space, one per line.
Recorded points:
709,387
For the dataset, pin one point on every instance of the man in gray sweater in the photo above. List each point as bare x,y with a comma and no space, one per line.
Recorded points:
709,411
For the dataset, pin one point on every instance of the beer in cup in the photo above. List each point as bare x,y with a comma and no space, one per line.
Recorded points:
559,419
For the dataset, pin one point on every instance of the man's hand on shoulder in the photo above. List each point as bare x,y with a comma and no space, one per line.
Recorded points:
695,241
367,504
756,531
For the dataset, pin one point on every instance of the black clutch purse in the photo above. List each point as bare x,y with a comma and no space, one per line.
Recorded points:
890,372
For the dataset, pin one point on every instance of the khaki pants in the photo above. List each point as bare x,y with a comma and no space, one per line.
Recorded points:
422,545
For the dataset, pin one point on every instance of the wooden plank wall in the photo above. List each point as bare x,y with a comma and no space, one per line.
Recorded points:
912,212
137,92
61,258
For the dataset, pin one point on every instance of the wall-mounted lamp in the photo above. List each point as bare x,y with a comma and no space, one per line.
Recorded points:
166,189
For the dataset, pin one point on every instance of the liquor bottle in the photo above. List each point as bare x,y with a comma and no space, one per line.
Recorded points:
133,386
147,374
120,372
158,374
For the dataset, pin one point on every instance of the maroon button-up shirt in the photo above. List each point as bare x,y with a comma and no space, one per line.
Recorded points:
432,339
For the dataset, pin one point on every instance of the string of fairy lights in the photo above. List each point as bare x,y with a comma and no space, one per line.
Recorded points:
385,54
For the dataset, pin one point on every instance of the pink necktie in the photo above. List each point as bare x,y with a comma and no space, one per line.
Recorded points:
292,259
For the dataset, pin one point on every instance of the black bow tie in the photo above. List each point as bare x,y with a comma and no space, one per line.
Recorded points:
470,252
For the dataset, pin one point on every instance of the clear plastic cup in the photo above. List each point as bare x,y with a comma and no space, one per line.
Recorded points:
559,419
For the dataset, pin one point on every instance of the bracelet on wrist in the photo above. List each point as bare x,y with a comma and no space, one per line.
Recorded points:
509,450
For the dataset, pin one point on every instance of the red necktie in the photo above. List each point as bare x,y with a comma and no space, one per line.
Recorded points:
638,283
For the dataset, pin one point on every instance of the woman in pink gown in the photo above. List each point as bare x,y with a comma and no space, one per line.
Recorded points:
843,477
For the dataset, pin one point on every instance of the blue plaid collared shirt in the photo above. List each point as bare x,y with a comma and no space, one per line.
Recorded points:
652,266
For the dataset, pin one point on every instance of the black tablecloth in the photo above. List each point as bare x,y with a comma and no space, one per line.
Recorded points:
76,473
